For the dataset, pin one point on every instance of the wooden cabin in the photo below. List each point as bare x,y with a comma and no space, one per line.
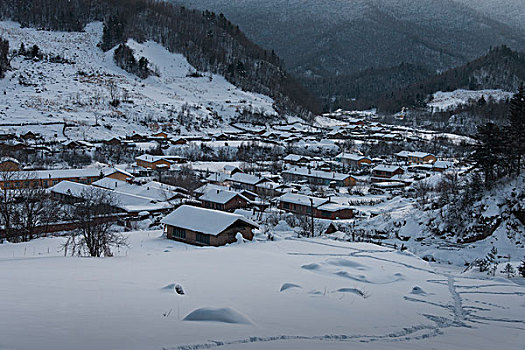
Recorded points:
206,227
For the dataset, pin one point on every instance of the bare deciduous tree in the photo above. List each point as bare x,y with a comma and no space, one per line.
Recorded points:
94,214
24,206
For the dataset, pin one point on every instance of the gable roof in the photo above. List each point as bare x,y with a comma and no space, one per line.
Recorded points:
386,168
221,196
125,201
302,199
327,175
406,154
351,156
207,221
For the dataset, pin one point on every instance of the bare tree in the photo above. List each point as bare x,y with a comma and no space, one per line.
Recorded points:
25,207
94,213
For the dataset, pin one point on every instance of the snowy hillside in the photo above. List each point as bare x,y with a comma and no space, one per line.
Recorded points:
443,101
79,92
286,294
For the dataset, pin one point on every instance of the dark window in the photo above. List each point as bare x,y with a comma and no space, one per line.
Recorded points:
179,232
286,205
205,239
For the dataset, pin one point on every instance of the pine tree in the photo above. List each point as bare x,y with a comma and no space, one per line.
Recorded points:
492,261
509,270
516,135
488,151
521,268
4,62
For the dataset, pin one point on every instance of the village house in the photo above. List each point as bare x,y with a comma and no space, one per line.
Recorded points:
179,141
383,171
153,162
131,204
153,189
318,177
295,159
160,134
223,200
231,169
245,181
353,160
322,208
415,157
271,189
206,227
9,164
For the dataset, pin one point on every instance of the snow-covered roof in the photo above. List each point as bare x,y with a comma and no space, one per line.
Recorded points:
9,159
351,156
443,164
207,221
386,167
246,178
111,184
218,177
417,154
294,158
220,196
317,174
66,173
125,201
332,207
302,199
153,158
153,190
211,187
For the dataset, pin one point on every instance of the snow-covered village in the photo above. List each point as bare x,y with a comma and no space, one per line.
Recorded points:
166,183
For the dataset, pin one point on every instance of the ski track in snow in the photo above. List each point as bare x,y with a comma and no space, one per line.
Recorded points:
460,314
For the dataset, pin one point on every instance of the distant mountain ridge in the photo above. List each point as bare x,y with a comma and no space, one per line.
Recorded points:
330,39
501,68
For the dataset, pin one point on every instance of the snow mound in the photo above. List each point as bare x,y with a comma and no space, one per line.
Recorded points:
311,266
418,291
224,315
286,286
347,263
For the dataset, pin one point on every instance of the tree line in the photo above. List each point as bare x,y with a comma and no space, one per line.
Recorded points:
500,148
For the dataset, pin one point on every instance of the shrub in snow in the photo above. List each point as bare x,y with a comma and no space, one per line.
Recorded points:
509,270
521,268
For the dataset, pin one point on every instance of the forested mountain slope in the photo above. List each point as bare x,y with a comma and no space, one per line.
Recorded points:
210,42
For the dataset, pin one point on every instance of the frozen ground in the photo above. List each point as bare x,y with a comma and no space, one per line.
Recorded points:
285,294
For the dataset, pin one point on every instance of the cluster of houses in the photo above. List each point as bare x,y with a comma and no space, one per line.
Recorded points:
212,213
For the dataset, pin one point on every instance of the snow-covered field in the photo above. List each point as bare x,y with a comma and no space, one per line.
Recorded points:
284,294
78,92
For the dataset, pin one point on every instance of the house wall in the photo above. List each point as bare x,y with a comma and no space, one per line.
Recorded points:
45,183
225,237
333,215
152,165
118,176
320,214
295,208
9,166
387,174
236,202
